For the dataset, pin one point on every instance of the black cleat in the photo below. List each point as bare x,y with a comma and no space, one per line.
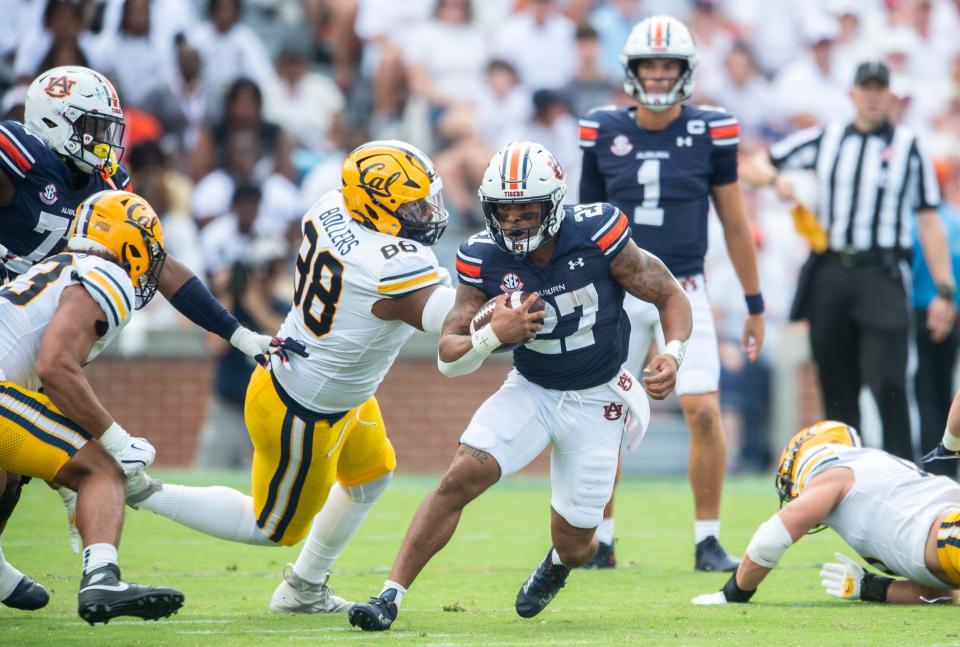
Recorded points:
104,596
541,587
603,558
710,556
377,614
27,596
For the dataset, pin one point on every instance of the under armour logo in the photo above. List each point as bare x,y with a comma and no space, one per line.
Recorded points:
613,411
577,263
684,141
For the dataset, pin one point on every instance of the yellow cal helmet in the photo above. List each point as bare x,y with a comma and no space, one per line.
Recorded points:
391,187
792,459
125,225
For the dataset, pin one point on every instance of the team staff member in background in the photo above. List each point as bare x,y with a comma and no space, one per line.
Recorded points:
872,177
660,162
896,517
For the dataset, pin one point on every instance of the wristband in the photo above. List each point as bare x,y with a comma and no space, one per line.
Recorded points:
484,340
676,349
114,438
873,588
734,593
754,303
947,291
950,442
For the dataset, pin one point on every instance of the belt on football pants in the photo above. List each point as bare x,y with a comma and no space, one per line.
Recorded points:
625,385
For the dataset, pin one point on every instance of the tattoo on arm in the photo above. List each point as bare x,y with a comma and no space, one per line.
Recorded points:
469,300
479,454
643,275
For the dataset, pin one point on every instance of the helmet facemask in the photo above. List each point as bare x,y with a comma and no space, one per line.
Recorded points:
424,220
523,239
633,84
95,145
149,281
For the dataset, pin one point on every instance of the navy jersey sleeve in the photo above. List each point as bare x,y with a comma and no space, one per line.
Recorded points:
17,149
470,259
592,186
725,138
798,151
121,179
606,226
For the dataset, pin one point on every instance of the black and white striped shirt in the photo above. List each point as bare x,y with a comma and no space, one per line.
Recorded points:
869,185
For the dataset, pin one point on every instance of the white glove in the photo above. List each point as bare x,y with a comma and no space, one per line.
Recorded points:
262,347
710,599
137,456
250,343
69,498
842,580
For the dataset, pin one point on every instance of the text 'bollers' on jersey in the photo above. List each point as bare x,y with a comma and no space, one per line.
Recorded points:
585,332
342,269
661,179
28,304
35,224
887,514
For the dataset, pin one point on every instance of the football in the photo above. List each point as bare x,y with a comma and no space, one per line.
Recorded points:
485,315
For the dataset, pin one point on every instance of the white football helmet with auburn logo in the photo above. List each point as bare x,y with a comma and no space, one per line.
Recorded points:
77,113
659,37
523,173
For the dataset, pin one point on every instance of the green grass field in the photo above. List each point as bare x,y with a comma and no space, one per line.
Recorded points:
466,595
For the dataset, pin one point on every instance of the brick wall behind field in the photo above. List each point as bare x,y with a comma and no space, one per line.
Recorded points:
165,401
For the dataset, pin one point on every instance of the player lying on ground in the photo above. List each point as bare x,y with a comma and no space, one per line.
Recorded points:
365,279
569,388
56,318
896,517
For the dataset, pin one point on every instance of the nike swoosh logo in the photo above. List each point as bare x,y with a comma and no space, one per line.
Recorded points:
131,462
106,587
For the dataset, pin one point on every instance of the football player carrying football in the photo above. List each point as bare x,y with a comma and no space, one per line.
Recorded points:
569,388
898,518
55,318
365,279
66,151
661,162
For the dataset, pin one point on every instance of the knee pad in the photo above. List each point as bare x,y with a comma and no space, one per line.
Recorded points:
370,491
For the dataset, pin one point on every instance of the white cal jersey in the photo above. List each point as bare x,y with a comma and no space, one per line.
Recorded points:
343,268
887,514
28,304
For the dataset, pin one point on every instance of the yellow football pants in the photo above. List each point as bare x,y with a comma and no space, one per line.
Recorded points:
948,546
35,438
298,454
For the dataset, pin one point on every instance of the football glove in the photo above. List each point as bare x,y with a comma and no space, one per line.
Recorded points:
69,498
136,456
261,347
842,580
939,453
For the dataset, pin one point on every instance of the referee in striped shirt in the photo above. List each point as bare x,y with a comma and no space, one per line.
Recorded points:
872,179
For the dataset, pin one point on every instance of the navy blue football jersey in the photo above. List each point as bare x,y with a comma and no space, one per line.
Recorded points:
660,179
585,334
34,226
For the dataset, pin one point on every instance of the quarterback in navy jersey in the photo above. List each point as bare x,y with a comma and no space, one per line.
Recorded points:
661,162
569,388
66,152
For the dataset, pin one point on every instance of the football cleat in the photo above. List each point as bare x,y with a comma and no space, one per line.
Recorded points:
104,596
603,558
377,614
541,587
140,487
27,596
296,595
710,556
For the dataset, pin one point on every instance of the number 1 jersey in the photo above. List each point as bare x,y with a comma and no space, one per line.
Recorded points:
342,270
661,179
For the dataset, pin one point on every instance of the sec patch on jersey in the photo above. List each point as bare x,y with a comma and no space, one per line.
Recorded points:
514,299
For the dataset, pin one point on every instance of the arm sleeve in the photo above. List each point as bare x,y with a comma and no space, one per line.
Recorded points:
798,151
110,287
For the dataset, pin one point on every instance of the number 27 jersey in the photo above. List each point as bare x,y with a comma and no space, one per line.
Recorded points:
342,270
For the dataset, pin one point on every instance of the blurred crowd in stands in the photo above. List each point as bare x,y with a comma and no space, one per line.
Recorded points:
239,112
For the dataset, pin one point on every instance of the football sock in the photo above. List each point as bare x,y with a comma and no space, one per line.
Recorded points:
9,578
390,584
97,555
332,528
605,531
555,558
703,528
216,510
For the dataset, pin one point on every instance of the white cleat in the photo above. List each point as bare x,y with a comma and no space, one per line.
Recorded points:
295,595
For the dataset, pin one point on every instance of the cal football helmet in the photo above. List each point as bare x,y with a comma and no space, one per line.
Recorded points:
125,225
391,187
659,37
792,461
77,113
523,173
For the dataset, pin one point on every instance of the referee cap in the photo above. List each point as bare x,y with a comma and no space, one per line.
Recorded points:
872,71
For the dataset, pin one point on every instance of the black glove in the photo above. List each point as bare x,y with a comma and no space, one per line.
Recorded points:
281,348
939,453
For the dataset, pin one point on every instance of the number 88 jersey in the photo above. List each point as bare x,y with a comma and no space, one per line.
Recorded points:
342,270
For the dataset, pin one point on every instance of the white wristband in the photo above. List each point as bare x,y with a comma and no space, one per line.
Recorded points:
677,349
114,438
951,442
485,340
